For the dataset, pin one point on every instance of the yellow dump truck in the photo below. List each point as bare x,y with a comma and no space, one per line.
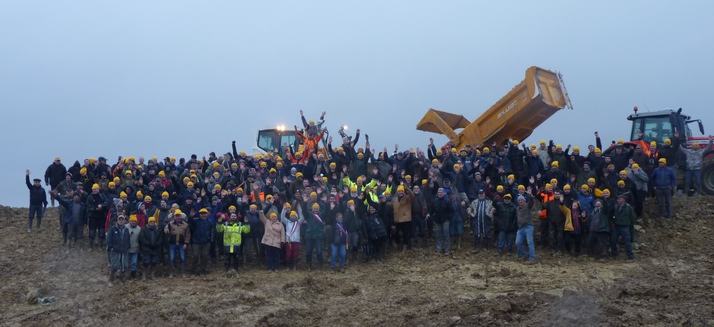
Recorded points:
541,94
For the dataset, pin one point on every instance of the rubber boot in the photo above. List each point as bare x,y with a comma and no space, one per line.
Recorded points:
133,275
183,269
91,245
353,256
153,272
171,270
111,278
309,266
295,265
458,242
143,273
101,243
122,276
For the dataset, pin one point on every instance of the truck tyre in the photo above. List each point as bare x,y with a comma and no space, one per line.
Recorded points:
708,175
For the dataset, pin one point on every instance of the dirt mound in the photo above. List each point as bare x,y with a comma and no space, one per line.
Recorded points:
670,283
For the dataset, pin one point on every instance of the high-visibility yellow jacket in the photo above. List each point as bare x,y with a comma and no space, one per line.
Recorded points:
232,234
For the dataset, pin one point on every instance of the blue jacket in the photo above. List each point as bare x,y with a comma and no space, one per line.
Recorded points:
202,231
67,205
663,178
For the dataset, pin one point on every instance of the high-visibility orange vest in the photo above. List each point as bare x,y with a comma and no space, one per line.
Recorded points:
545,199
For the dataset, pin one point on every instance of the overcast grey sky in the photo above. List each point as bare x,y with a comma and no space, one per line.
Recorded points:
84,79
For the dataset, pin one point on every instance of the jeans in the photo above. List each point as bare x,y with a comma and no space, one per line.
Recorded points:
664,201
150,259
525,232
505,240
173,249
442,236
615,234
456,226
314,245
335,250
697,174
35,210
133,258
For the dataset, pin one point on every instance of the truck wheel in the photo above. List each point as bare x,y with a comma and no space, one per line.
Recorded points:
708,175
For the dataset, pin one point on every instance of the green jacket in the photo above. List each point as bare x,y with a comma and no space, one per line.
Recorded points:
624,216
506,217
315,228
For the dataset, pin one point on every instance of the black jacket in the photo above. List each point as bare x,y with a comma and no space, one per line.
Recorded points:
37,193
441,210
55,174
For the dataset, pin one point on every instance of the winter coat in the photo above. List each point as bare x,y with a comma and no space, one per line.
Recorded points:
506,217
663,178
274,232
315,224
624,215
178,233
374,227
37,193
151,240
202,230
441,210
403,207
73,211
598,221
639,178
118,239
55,174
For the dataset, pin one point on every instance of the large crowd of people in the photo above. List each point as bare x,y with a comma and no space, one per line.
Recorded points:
357,202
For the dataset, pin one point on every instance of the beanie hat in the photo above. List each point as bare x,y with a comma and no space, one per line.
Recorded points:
152,220
122,194
273,215
293,214
566,187
112,184
499,188
400,188
83,170
521,198
662,160
95,186
620,183
147,198
591,179
132,218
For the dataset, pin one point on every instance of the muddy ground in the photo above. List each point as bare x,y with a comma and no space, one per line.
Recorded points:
670,283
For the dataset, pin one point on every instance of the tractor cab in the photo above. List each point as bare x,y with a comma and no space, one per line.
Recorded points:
276,138
660,125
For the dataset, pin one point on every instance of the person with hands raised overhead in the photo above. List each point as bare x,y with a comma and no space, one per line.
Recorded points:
233,231
273,238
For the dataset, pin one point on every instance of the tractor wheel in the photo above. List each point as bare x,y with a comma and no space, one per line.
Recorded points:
708,175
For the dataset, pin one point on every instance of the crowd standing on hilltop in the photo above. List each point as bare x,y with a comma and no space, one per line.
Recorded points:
356,201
